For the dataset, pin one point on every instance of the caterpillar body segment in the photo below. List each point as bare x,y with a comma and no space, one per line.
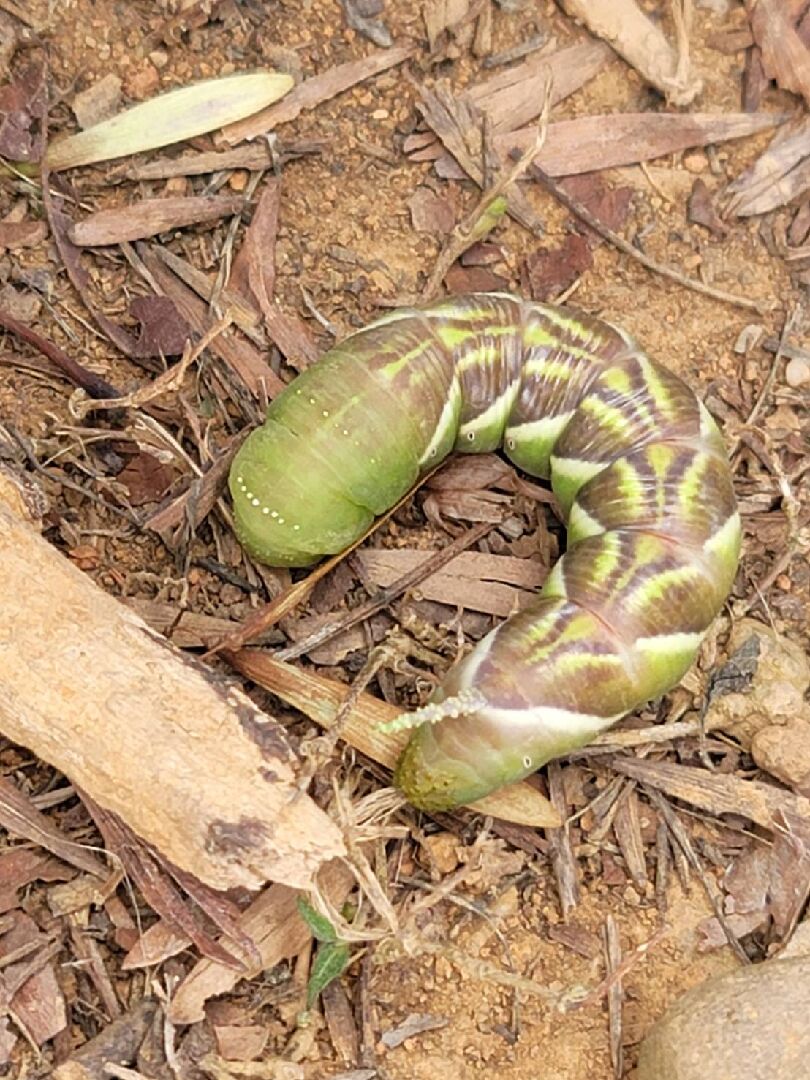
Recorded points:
636,462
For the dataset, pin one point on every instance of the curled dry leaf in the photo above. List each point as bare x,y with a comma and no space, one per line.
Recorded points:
785,57
778,176
641,43
170,118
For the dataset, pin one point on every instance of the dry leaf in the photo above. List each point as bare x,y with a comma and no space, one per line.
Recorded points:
640,41
170,118
785,57
779,175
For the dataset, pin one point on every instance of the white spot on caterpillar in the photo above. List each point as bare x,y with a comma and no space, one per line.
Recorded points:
527,762
495,415
312,401
265,509
240,480
325,412
296,527
345,431
274,513
254,502
248,494
280,521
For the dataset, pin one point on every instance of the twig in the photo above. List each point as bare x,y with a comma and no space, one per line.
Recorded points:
582,212
169,380
681,836
93,385
387,595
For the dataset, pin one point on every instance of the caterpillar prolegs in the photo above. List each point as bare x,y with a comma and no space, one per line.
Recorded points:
635,460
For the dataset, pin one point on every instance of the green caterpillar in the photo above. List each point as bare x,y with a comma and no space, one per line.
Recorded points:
635,460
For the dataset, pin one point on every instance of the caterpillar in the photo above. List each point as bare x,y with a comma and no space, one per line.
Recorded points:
637,465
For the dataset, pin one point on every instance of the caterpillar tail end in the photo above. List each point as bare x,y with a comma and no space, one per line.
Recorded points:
428,776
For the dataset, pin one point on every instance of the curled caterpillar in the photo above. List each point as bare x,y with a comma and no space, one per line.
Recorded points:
635,460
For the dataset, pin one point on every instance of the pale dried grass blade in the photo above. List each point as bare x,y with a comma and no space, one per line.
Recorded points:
320,699
171,117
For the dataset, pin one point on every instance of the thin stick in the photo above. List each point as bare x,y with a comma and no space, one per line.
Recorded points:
385,596
625,246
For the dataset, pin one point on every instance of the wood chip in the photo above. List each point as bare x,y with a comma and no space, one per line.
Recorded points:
785,57
494,584
314,91
150,217
639,41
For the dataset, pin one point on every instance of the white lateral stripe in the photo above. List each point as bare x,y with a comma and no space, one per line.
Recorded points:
724,535
676,643
545,428
551,719
576,469
583,523
497,412
447,419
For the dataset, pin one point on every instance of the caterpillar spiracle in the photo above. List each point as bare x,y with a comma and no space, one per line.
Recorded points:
637,465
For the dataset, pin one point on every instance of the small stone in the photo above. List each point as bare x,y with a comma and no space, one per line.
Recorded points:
143,82
695,161
98,102
775,690
750,1024
380,114
159,58
442,850
797,372
784,752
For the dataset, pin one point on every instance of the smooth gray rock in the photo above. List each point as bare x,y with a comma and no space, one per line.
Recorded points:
751,1024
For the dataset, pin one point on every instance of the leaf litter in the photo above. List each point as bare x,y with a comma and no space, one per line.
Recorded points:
619,841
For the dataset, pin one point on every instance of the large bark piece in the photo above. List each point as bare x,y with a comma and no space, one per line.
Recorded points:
182,756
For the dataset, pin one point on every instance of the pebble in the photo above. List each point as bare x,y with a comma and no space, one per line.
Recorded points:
695,161
797,372
750,1024
784,752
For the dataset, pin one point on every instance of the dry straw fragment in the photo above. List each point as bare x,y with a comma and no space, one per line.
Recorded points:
172,117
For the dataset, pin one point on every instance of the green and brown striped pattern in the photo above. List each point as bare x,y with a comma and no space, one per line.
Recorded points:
636,462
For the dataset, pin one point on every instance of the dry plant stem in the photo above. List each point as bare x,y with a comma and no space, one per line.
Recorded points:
92,384
625,246
619,972
683,841
190,764
387,595
169,381
464,233
613,955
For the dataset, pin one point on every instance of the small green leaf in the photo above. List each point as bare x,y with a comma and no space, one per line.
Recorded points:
490,216
331,960
320,926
